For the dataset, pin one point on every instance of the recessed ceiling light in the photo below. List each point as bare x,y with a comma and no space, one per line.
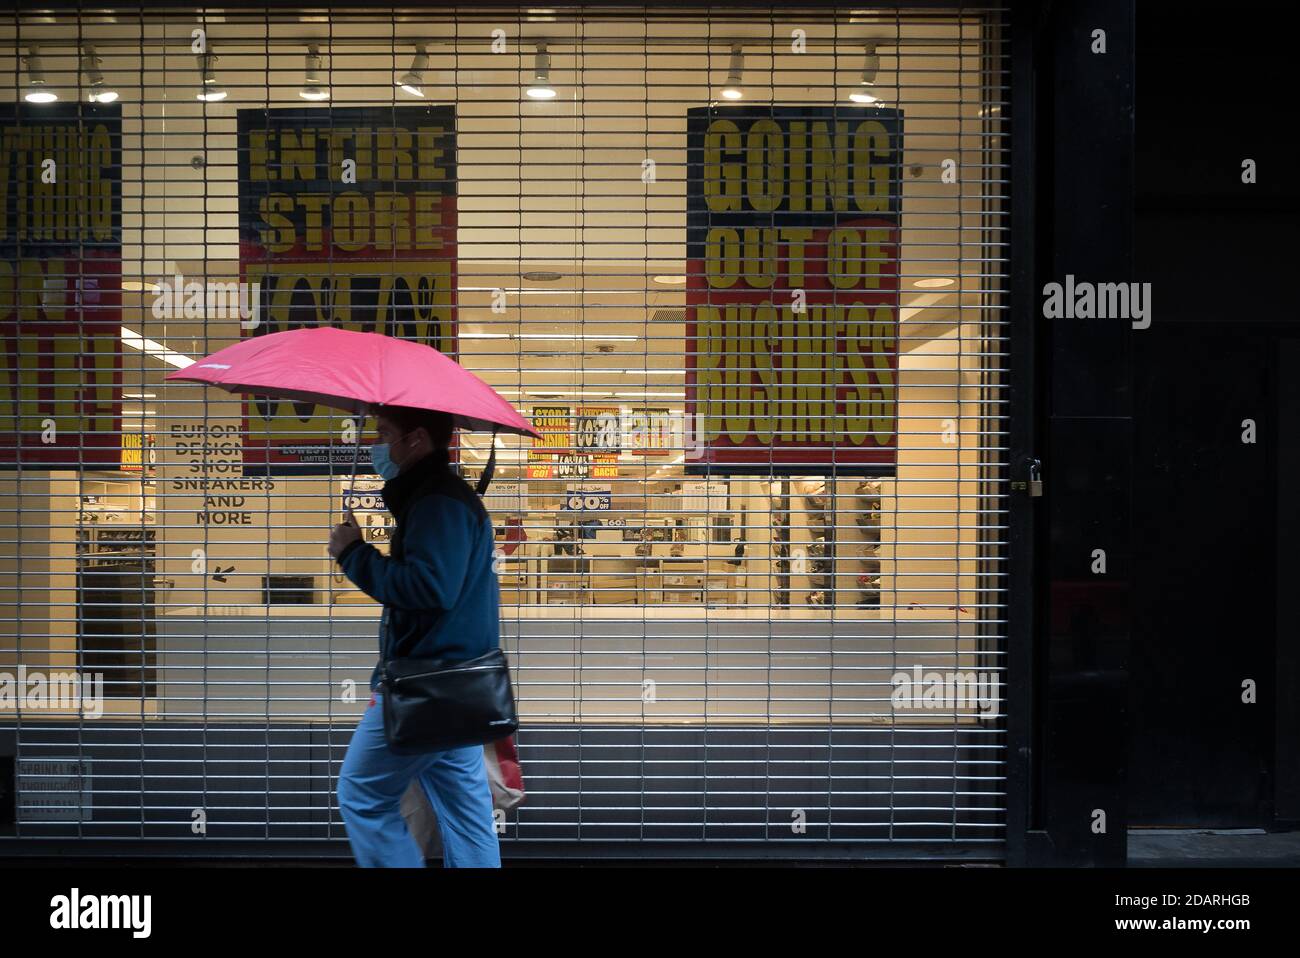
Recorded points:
541,276
670,280
934,282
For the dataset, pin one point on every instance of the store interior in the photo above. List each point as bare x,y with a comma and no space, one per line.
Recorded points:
592,265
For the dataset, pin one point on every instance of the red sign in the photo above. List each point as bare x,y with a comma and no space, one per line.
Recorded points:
347,218
61,286
792,289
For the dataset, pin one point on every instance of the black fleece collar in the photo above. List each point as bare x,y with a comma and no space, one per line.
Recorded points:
407,484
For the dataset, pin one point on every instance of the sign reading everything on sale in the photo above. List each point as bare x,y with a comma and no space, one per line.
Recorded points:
61,328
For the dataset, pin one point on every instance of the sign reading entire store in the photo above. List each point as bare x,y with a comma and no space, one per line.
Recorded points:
61,285
347,218
792,308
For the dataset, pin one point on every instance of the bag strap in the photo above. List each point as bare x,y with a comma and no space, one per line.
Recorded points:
486,477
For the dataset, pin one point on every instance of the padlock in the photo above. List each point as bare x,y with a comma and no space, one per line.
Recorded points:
1035,478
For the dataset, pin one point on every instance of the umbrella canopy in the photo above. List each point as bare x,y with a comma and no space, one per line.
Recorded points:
353,371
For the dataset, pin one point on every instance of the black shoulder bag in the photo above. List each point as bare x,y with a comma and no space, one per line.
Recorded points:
433,704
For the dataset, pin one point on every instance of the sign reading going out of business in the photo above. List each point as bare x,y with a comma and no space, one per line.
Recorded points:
347,218
792,288
61,285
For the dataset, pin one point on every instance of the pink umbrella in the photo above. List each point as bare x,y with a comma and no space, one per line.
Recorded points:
355,371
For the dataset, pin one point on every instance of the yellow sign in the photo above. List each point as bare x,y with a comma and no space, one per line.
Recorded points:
137,449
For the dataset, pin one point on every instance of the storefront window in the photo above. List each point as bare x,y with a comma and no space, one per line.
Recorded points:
745,277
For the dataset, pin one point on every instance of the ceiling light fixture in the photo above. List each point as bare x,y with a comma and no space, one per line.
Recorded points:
209,92
38,92
934,282
541,88
865,92
314,88
99,93
412,81
153,348
732,90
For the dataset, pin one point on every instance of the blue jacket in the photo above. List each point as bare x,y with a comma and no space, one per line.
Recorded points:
439,590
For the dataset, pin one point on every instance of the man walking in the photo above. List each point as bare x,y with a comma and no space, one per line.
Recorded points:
440,596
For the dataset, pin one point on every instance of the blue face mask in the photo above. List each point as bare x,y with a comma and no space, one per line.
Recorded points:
383,465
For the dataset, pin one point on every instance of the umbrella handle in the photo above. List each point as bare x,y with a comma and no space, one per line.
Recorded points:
356,455
486,476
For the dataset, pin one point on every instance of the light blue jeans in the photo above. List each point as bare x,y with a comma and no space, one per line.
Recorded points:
373,780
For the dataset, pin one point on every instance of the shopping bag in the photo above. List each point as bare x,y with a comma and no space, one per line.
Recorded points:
505,778
504,774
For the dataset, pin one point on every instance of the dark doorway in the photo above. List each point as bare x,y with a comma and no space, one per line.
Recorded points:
1204,578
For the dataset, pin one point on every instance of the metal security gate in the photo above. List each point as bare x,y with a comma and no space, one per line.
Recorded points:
745,270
